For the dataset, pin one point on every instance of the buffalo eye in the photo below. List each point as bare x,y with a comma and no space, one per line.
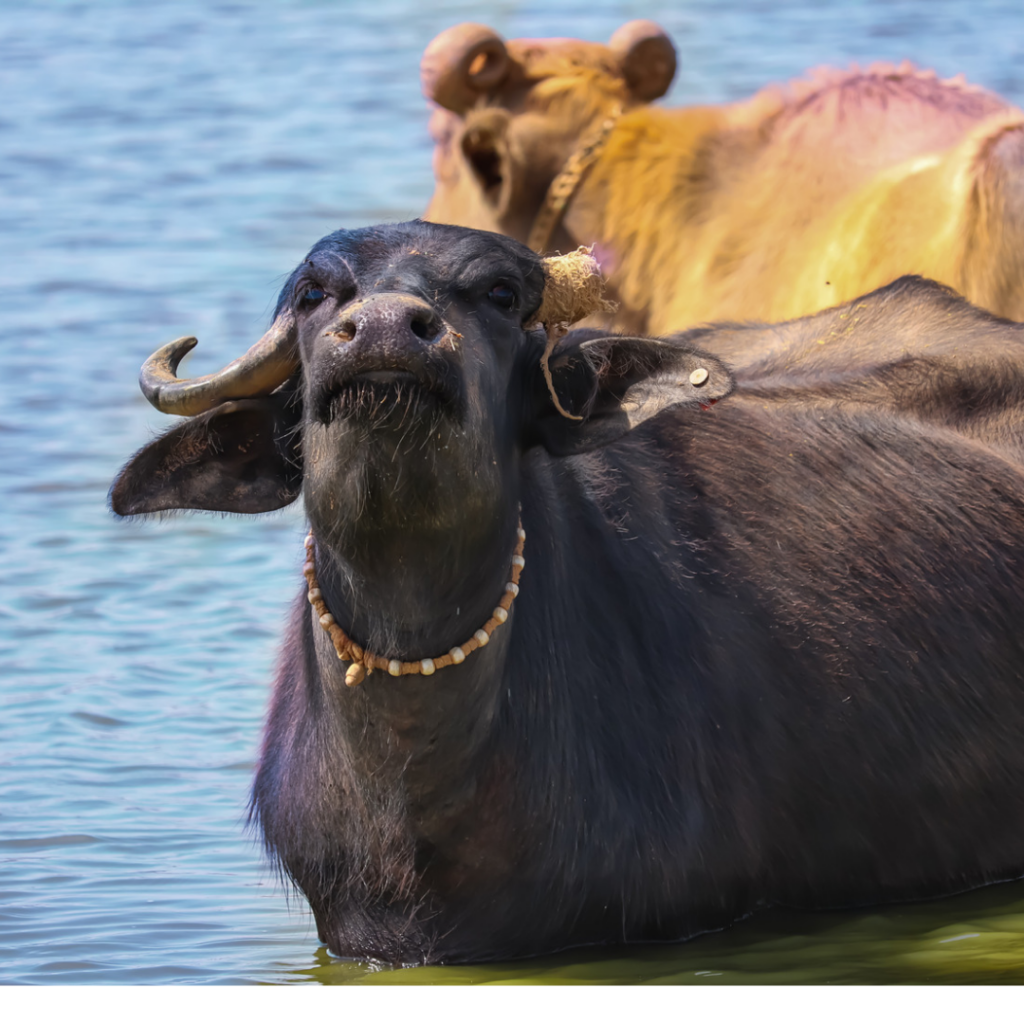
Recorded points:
311,297
503,295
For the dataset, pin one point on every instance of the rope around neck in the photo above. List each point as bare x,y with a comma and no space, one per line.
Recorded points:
564,186
364,661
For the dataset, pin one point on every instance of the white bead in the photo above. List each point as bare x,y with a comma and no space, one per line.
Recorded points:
327,619
518,560
512,588
521,533
481,637
457,655
500,614
395,667
427,666
314,596
698,376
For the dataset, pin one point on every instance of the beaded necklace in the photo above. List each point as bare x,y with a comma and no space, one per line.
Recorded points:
364,661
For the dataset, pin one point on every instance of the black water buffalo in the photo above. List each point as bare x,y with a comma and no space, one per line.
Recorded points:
768,645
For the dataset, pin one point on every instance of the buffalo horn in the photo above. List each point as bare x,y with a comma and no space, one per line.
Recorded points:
264,367
461,63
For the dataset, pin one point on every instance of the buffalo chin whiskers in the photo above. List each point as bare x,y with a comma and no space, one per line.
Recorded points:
364,661
384,405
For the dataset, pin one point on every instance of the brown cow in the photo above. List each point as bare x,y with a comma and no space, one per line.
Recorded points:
789,202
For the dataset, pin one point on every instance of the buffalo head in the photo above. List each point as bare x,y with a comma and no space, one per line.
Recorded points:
400,379
397,390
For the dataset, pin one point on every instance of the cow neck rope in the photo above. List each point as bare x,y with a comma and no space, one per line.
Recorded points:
563,188
364,661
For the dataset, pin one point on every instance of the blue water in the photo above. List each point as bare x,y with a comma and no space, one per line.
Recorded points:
162,168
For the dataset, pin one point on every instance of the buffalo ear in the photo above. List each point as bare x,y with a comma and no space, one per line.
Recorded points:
241,456
615,383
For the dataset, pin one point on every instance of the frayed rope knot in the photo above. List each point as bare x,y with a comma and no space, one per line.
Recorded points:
573,289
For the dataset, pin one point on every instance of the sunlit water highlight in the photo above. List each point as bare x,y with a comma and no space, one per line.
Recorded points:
162,168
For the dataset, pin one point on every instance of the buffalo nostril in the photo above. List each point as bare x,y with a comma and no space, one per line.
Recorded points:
425,326
345,331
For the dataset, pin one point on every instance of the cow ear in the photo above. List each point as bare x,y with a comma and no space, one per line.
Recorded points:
647,58
615,383
241,456
484,146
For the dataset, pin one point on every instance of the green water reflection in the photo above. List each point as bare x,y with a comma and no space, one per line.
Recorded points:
974,938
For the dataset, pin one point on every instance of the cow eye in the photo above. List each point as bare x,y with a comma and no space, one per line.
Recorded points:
503,295
311,297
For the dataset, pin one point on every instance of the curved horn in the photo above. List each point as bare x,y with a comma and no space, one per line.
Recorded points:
461,63
647,58
269,363
573,289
